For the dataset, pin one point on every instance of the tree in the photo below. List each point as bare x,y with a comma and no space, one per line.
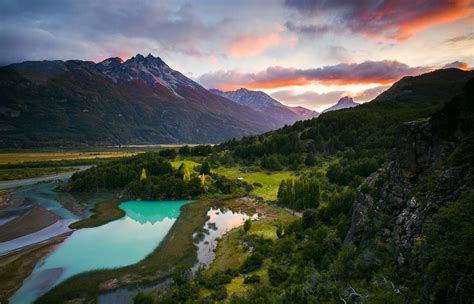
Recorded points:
184,150
279,230
247,225
143,175
310,160
205,168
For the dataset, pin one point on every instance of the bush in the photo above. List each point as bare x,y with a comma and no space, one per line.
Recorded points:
143,298
247,225
252,279
276,275
252,263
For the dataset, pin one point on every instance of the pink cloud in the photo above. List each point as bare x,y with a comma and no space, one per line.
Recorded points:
246,44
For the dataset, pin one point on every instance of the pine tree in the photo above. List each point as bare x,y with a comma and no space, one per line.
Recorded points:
143,175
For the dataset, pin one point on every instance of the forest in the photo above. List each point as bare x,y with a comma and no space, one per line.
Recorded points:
149,176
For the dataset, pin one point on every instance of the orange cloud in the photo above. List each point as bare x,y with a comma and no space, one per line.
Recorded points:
368,72
380,20
249,45
456,10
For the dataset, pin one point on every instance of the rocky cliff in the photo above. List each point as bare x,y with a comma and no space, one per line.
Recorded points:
431,165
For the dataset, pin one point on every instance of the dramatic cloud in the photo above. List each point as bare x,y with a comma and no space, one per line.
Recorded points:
250,44
308,30
457,65
55,29
317,101
392,19
309,99
382,72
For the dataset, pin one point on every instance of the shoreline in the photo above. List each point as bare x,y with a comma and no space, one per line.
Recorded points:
177,248
16,266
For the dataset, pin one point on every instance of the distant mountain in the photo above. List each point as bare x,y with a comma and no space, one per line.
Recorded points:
304,113
343,103
138,101
263,103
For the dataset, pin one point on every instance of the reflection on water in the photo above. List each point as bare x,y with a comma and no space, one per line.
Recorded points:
220,221
119,243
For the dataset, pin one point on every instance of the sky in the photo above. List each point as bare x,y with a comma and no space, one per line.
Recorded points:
301,52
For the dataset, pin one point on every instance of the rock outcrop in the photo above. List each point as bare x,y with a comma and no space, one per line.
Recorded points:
394,203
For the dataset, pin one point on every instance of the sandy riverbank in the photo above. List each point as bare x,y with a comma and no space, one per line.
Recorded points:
33,220
17,266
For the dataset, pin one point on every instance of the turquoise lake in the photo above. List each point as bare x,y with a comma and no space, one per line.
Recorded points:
119,243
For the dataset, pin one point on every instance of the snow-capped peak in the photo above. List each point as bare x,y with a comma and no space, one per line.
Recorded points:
152,70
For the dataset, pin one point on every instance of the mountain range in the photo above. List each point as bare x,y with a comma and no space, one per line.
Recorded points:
262,102
138,101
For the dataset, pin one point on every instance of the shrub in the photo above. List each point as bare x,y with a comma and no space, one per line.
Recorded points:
252,263
247,225
276,275
252,279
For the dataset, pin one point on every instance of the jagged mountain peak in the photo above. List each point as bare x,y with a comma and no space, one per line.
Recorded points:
262,102
151,70
346,100
110,63
343,103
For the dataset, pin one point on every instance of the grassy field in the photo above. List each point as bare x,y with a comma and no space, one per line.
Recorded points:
20,157
104,212
188,163
270,180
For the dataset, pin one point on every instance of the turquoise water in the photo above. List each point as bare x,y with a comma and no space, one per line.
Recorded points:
119,243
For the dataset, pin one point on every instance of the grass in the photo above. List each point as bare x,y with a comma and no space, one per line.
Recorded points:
21,157
104,212
270,180
188,163
230,254
176,249
22,173
237,286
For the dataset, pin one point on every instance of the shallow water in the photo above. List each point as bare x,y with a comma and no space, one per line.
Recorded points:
220,222
119,243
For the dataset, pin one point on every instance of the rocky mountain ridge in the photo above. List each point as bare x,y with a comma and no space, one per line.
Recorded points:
264,103
137,101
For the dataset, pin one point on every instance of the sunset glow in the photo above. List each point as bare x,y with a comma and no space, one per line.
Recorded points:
293,46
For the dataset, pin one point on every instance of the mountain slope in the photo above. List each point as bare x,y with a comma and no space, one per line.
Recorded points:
427,89
343,103
262,102
141,100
